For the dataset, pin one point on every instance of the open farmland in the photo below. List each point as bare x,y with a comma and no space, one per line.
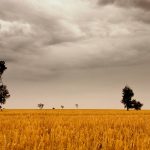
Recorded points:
74,130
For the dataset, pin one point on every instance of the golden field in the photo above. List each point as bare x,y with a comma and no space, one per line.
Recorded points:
74,130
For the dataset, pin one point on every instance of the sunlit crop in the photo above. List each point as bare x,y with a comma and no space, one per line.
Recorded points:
74,130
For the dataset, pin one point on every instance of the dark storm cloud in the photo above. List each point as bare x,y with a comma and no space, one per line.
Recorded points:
144,4
51,37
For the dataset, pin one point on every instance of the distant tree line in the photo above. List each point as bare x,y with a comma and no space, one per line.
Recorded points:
41,105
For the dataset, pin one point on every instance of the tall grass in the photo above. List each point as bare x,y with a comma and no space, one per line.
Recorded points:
74,130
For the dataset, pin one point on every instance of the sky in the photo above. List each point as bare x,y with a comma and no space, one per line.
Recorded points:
63,52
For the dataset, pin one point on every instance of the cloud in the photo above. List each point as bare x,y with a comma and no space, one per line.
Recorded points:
144,4
46,38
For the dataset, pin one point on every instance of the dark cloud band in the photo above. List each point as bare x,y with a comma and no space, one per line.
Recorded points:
144,4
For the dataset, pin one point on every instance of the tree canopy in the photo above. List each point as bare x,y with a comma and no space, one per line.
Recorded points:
127,99
4,93
2,67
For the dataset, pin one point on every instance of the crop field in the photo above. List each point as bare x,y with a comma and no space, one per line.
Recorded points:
74,130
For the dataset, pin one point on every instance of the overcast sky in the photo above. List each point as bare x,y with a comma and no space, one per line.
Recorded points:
63,52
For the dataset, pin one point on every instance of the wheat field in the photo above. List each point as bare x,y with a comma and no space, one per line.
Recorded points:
74,130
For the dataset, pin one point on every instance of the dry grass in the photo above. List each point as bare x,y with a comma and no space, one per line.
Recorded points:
74,130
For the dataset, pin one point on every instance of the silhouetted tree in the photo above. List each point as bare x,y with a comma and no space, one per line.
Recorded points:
40,105
136,105
4,93
62,106
2,67
53,108
127,96
77,106
127,99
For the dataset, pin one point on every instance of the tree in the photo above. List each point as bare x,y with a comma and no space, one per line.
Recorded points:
4,93
2,67
127,99
136,105
77,106
62,106
40,105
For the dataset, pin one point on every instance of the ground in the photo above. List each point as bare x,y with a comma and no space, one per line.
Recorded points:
74,130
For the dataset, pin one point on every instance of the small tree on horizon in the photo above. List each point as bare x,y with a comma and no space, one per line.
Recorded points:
40,106
77,105
62,107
